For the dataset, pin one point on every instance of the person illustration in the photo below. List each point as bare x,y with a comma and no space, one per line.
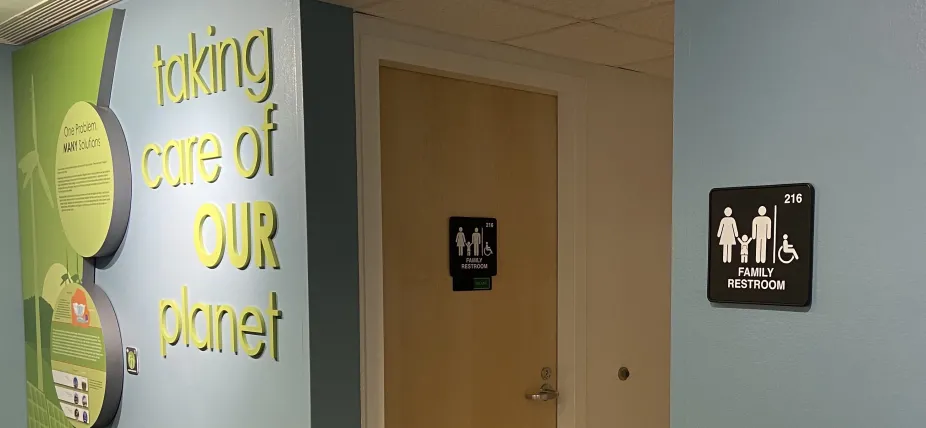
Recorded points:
477,242
744,248
787,249
487,251
727,233
461,241
761,233
469,251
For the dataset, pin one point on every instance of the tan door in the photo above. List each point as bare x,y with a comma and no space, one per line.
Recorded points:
457,148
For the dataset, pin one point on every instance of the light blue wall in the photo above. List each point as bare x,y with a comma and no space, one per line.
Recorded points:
313,189
157,257
12,353
832,92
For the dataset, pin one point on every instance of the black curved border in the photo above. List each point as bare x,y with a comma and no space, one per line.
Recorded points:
122,183
112,344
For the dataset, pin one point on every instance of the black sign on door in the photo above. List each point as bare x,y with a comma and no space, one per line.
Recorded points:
473,252
760,245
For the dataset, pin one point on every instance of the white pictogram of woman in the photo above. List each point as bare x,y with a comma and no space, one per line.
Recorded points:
727,233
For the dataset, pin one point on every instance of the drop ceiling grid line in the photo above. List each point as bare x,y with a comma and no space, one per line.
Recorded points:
493,20
611,29
544,11
574,20
630,64
417,26
580,20
631,33
631,12
508,2
634,35
647,66
648,4
370,3
449,33
537,9
541,32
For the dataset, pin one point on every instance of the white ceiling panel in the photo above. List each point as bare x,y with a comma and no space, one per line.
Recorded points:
480,19
662,67
632,34
589,9
595,43
657,22
353,4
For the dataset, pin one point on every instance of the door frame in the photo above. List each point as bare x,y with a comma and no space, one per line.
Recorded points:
372,51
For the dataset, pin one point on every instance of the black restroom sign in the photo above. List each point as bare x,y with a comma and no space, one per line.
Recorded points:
473,247
760,245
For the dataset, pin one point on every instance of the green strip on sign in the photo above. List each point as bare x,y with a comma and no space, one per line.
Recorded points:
482,283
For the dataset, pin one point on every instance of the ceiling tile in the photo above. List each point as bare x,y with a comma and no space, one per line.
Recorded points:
353,4
595,43
480,19
662,67
589,9
658,22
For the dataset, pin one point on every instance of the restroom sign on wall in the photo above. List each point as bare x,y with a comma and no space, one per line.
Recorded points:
760,245
473,252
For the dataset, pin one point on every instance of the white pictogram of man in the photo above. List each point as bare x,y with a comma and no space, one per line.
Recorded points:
761,233
477,242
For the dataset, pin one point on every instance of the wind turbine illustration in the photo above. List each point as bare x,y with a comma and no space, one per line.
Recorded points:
30,165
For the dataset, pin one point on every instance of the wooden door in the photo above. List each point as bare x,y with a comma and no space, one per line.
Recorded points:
452,147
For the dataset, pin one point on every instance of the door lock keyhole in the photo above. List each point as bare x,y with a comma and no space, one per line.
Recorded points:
546,373
623,373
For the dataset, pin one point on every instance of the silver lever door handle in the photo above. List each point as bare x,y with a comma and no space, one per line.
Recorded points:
546,393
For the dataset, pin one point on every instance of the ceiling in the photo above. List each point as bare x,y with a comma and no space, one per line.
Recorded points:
631,34
10,8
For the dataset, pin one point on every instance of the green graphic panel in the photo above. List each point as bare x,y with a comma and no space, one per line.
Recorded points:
49,76
44,413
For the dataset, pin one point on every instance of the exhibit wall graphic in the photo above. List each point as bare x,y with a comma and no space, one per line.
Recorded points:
74,206
162,210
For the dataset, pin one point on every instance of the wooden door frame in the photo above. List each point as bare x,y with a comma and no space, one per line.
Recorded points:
374,50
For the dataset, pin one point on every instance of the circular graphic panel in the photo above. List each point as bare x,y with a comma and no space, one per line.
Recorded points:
86,355
92,180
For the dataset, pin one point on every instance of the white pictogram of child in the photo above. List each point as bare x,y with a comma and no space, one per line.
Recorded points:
744,248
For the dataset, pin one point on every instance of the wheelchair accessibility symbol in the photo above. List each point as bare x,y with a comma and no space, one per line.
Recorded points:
788,250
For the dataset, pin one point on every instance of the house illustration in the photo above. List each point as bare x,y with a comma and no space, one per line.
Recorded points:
80,313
